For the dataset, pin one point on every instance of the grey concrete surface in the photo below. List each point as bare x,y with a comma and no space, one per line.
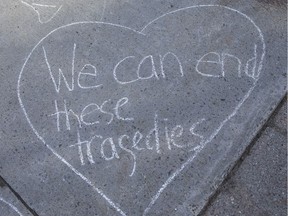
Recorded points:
10,205
258,185
137,107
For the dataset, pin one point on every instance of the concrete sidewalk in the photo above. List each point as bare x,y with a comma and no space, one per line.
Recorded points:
142,107
258,183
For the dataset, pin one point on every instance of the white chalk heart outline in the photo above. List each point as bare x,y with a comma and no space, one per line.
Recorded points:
116,206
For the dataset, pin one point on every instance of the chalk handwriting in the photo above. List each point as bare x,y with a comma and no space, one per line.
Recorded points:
210,58
162,58
61,75
87,112
86,74
219,62
110,147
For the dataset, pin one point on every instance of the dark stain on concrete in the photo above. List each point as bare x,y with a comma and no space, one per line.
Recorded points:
2,182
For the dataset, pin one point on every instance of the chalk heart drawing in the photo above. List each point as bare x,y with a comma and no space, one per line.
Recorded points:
128,111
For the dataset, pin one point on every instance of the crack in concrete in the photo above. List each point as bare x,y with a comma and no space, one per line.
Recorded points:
235,167
4,183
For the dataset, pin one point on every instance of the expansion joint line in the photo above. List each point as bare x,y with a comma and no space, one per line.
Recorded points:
32,211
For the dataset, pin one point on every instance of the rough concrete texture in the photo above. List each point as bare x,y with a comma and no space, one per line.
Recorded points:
258,185
10,205
133,107
279,120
